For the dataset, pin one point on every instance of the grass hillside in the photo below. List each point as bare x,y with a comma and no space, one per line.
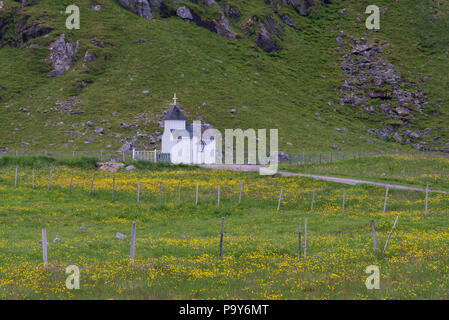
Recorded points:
295,89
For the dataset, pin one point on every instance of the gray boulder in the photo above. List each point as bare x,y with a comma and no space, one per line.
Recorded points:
126,147
119,235
184,13
130,168
139,7
61,54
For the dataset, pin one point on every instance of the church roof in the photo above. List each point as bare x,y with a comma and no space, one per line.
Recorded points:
175,114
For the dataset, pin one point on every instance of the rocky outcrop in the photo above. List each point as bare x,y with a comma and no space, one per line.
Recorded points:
61,54
139,7
374,84
303,7
220,26
288,20
223,28
267,34
15,33
232,12
265,40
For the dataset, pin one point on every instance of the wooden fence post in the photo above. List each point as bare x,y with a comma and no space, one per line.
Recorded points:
44,247
15,179
133,242
427,198
299,241
305,238
221,236
113,187
49,178
344,198
70,184
389,235
218,195
313,200
280,199
196,196
92,183
373,230
160,193
386,198
240,193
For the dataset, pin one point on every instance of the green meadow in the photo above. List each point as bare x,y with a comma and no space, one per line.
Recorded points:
177,242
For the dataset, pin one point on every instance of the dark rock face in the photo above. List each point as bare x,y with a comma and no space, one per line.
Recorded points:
16,34
27,32
139,7
223,28
61,54
288,21
303,7
232,12
156,4
265,41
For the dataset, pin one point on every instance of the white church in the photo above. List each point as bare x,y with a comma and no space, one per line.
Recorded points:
190,144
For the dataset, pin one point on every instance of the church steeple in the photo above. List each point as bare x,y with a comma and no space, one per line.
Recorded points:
175,113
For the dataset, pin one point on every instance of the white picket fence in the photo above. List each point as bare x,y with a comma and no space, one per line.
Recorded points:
145,155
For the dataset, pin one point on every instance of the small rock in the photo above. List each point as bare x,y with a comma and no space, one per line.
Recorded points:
89,57
232,111
95,7
90,123
145,91
82,228
130,168
99,131
184,13
119,235
56,239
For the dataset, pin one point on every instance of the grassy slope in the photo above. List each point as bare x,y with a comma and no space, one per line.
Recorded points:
191,61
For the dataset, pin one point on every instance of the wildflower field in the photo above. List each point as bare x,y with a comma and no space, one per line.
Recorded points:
177,242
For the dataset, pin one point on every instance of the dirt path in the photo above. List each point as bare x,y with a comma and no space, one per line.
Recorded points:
245,167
